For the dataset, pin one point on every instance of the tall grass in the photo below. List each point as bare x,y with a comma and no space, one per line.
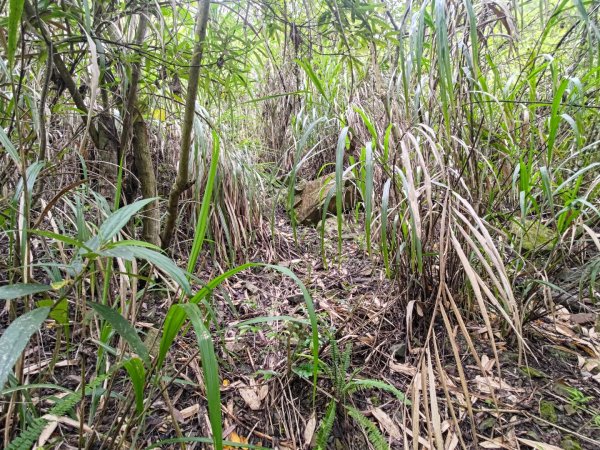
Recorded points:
472,128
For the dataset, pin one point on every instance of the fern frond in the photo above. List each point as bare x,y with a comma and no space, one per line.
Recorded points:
373,434
359,385
29,435
326,426
346,357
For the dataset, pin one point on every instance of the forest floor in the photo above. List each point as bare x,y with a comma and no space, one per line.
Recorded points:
552,396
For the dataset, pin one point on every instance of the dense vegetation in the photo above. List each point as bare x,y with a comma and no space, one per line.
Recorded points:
160,286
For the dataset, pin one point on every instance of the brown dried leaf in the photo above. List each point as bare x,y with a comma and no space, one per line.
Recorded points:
253,395
405,369
386,423
538,445
47,431
190,411
486,384
309,431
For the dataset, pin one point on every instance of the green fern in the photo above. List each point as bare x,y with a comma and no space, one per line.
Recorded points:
29,436
326,426
344,387
359,385
346,358
373,434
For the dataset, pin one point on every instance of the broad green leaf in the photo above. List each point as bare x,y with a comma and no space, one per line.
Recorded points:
15,339
32,173
115,223
18,290
137,374
59,312
165,264
136,243
124,328
14,21
9,147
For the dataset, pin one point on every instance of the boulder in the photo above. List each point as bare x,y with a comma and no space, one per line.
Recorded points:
311,196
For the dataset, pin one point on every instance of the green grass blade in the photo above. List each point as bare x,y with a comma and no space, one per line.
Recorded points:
328,198
384,222
367,122
339,185
368,193
137,374
210,371
9,147
313,77
202,224
176,317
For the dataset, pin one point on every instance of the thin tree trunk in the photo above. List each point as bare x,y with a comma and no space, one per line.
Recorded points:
181,181
131,100
136,132
130,182
145,171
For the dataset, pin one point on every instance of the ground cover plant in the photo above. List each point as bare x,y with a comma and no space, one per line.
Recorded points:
300,224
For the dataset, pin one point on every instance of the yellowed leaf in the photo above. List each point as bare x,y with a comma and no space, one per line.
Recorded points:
159,114
234,437
56,285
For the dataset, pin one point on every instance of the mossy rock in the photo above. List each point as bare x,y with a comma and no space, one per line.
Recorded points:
531,372
570,443
311,197
548,411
